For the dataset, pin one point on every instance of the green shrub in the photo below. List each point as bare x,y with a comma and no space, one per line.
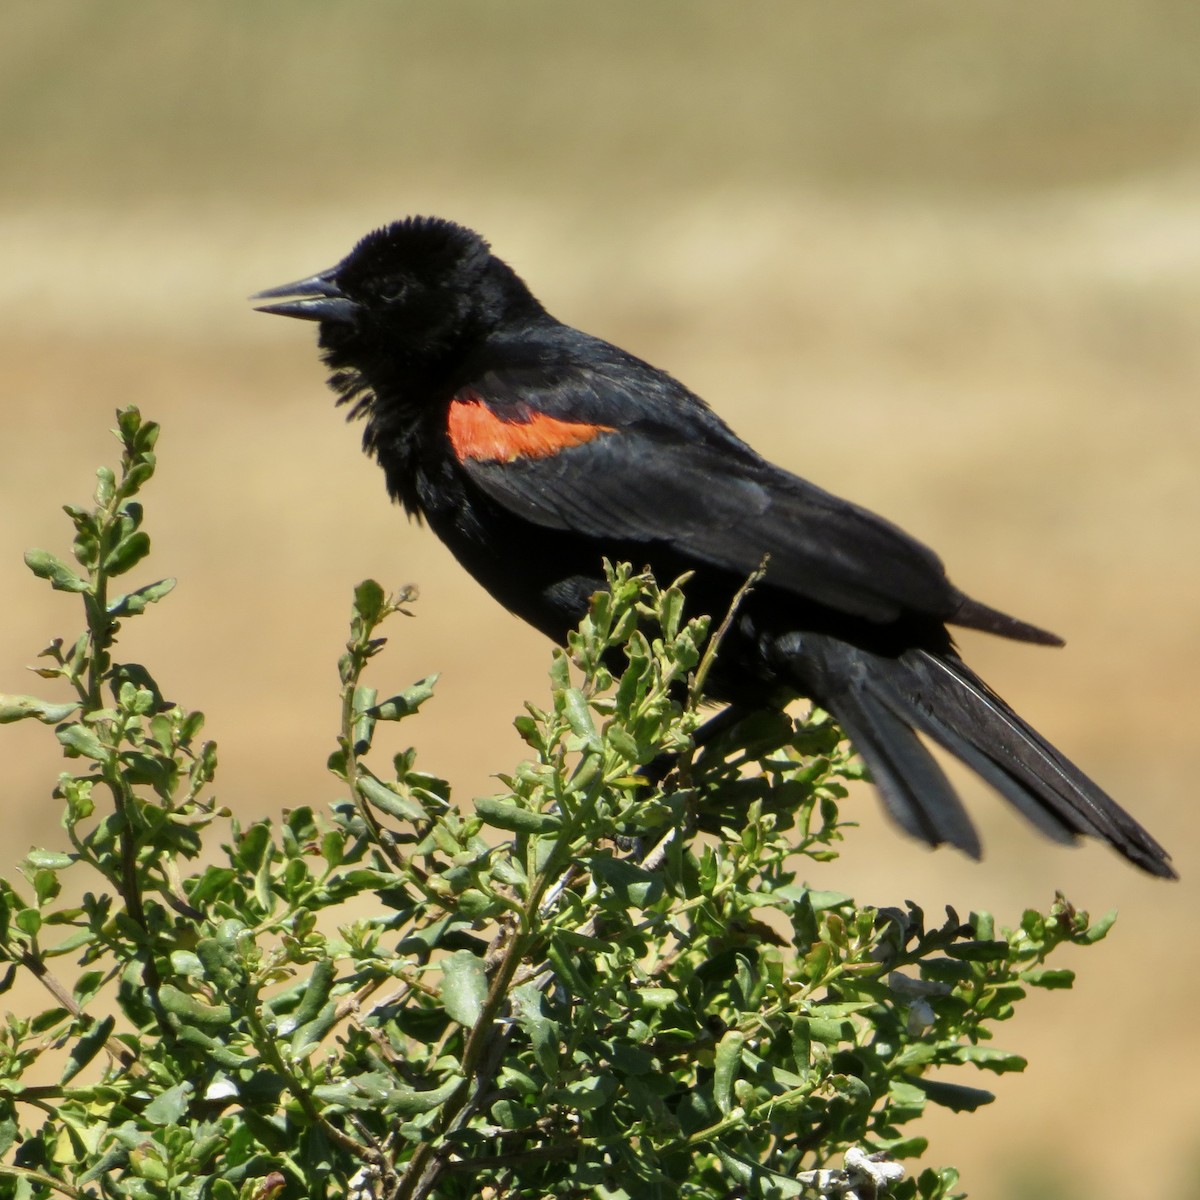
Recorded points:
589,985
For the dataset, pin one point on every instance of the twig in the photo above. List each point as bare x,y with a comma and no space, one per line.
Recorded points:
45,1180
118,1051
714,643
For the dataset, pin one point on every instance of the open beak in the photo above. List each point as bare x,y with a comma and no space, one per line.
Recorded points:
317,298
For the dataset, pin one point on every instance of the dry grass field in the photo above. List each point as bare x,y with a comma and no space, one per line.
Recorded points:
941,258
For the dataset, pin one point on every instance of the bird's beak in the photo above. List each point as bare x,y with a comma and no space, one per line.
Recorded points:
317,298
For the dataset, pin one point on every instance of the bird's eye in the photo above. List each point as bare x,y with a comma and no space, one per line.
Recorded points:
391,290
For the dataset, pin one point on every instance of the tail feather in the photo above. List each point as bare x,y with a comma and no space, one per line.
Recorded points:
884,702
914,788
971,614
1057,820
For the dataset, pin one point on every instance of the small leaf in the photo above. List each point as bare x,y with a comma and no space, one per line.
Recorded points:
728,1063
396,708
633,886
46,566
1049,977
953,1096
830,1032
627,746
579,717
384,798
363,708
503,813
508,1114
127,553
105,485
82,740
186,962
363,1092
129,422
589,1093
312,1033
192,1011
464,987
8,1135
1098,929
410,1102
529,1010
87,1047
369,599
29,921
979,951
657,997
167,1108
315,997
18,708
989,1059
133,603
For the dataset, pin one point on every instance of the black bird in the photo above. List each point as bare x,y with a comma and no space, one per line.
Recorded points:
535,451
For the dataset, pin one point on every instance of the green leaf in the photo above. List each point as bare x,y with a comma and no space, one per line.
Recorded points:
46,566
953,1096
369,601
990,1059
979,951
193,1011
364,718
387,800
658,997
46,886
315,996
129,423
1098,929
80,739
126,554
510,1115
105,485
831,1032
543,1033
505,813
633,886
589,1093
28,920
727,1064
312,1033
48,860
410,1102
8,1136
19,708
87,1047
169,1106
631,1059
464,987
628,747
133,603
1049,977
396,708
579,717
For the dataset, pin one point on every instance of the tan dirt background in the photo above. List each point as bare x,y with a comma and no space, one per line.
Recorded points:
941,258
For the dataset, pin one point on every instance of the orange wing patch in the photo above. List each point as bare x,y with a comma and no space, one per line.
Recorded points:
476,432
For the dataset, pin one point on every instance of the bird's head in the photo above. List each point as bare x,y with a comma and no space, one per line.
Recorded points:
403,309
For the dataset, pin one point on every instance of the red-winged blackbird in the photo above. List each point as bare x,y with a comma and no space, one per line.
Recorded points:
535,451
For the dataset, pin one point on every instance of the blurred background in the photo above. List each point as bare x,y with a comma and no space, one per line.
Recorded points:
943,259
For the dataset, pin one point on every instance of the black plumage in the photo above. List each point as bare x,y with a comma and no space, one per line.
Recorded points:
535,451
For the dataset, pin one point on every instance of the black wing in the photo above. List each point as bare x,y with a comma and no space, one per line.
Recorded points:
662,468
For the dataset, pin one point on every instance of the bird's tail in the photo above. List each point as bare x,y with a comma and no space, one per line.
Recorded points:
883,703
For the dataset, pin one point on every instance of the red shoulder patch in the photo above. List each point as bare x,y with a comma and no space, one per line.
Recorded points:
476,432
